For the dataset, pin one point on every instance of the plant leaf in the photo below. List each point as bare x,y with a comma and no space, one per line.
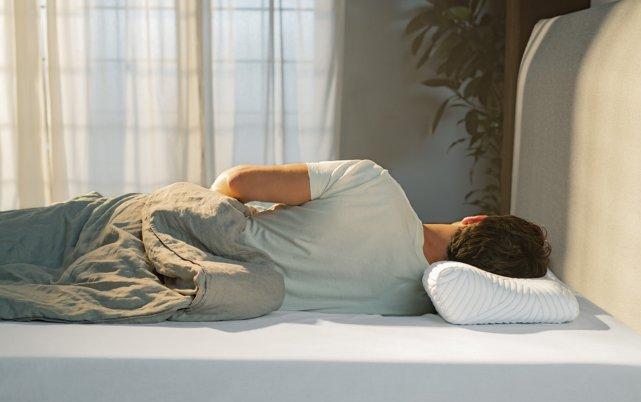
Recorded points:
471,88
444,51
418,41
438,115
441,82
440,33
453,144
420,21
461,12
469,194
472,122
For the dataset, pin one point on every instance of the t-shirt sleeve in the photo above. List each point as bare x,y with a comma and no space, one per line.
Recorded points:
328,178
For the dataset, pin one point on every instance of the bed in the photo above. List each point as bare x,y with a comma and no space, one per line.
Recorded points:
304,356
578,82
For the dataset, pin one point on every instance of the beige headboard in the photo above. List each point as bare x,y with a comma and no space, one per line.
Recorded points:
577,151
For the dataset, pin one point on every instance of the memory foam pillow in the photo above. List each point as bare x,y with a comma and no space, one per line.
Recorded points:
464,294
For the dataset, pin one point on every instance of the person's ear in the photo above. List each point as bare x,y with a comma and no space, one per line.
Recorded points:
468,220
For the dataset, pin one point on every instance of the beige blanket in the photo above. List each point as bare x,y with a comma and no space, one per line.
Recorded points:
173,254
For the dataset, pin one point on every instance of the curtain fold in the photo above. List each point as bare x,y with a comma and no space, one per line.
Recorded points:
56,157
276,80
122,96
193,145
23,167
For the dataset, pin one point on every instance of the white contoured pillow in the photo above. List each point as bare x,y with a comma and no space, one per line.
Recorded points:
464,294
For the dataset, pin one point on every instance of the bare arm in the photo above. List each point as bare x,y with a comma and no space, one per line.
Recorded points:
286,184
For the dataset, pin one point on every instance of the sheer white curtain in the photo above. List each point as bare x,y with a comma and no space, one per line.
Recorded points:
119,96
275,75
22,128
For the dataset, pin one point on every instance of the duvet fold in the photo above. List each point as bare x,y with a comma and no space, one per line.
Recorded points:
174,254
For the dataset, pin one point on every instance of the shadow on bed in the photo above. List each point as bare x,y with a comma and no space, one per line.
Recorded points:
588,320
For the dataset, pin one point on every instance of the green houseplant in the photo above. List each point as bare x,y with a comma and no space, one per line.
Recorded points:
465,40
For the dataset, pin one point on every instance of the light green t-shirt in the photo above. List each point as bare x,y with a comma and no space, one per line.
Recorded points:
356,247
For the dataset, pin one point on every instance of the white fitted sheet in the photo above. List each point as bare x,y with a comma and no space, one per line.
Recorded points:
304,356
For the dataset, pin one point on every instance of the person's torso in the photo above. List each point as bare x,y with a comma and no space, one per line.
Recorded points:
357,251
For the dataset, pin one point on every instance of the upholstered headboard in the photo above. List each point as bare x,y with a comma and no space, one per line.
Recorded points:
577,151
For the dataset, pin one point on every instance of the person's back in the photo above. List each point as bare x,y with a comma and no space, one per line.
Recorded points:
356,247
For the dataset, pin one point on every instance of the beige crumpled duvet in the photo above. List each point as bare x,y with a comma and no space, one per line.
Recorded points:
174,254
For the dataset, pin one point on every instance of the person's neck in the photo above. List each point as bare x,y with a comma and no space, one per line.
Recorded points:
436,237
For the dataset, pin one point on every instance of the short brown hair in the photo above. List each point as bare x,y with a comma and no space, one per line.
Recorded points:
502,244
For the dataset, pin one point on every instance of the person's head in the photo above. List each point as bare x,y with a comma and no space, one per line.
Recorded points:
502,244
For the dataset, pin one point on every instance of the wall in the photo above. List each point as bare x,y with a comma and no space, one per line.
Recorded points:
386,113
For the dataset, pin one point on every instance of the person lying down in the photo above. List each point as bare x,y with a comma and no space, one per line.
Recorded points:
346,239
338,237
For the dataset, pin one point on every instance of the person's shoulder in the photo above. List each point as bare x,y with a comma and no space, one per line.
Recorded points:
370,163
374,169
366,164
346,167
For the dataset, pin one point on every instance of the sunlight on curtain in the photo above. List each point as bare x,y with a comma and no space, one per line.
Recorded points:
128,96
275,78
8,174
117,80
22,133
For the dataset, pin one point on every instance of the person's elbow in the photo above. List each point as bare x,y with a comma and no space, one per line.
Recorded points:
233,182
237,181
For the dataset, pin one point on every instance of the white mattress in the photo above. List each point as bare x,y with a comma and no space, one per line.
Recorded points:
301,356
